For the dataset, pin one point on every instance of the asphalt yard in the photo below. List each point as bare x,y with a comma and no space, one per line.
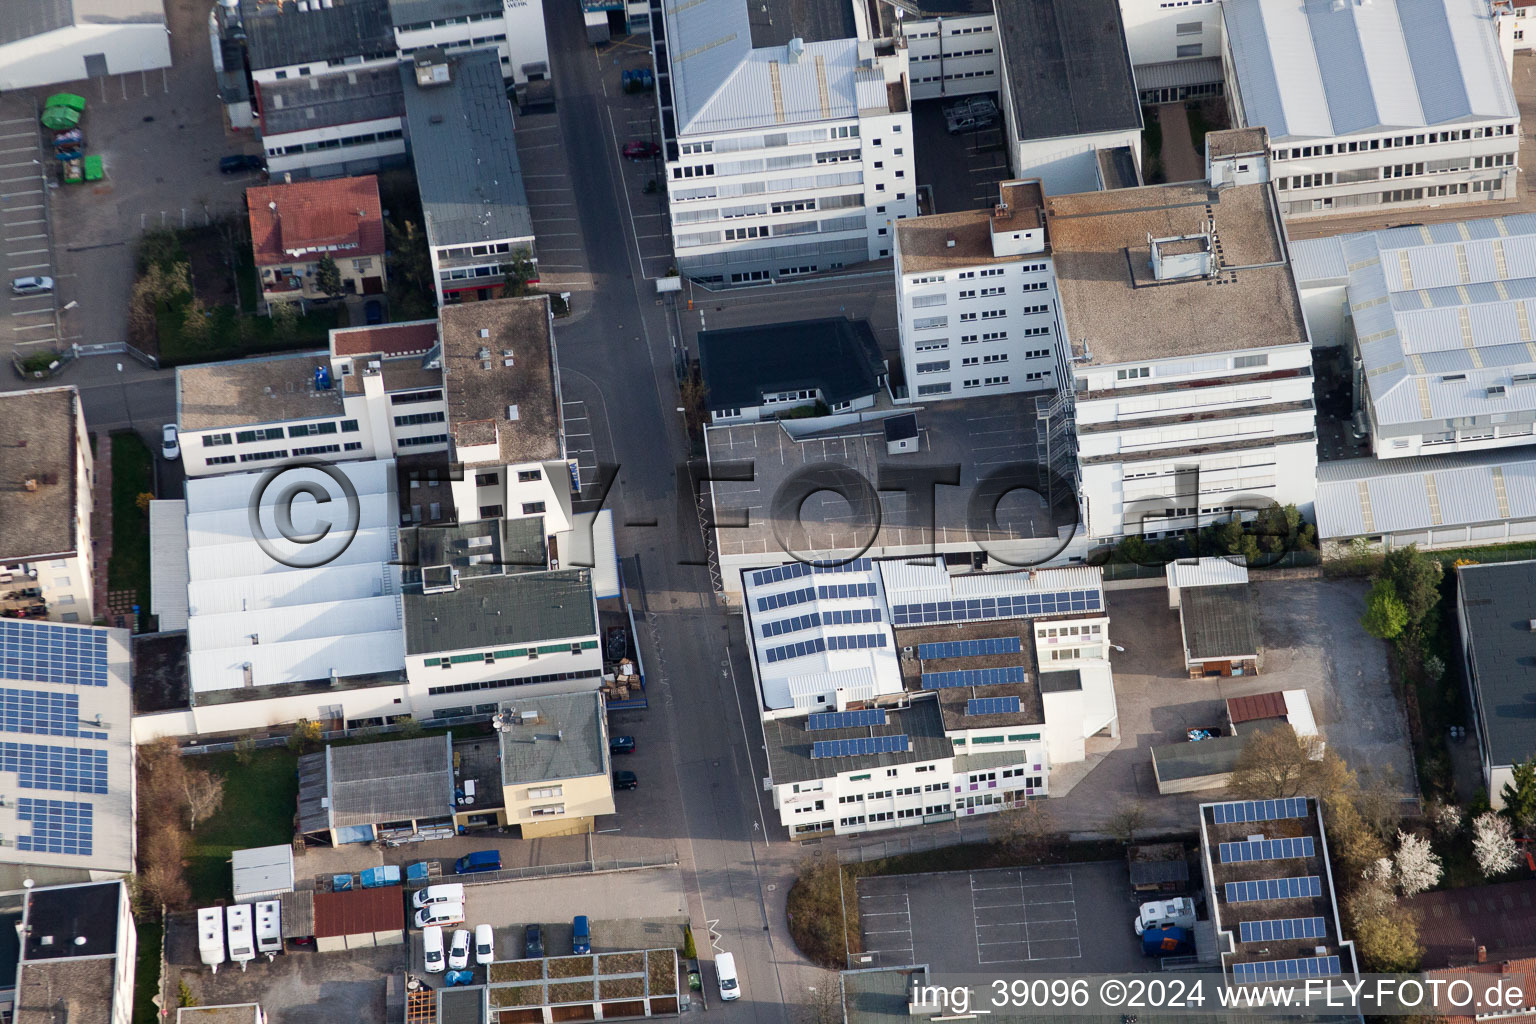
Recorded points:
551,202
1073,917
27,322
958,172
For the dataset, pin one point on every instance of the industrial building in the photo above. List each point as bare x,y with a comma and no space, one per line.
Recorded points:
400,790
1495,606
46,42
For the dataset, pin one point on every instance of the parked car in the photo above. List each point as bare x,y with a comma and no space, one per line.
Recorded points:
636,149
458,950
450,892
626,780
970,114
621,745
440,914
533,942
32,285
432,943
170,445
238,163
485,944
581,935
373,311
725,970
480,860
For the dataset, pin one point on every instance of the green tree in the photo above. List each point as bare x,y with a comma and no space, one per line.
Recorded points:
1416,578
518,271
328,277
1519,795
285,319
1388,942
194,320
411,289
1385,616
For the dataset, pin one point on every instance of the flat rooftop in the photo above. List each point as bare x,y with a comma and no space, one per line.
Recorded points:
411,338
836,356
462,144
59,918
39,515
481,547
89,984
351,96
1068,68
278,35
977,434
512,400
954,700
391,781
1116,312
924,242
1500,602
1218,621
776,22
566,741
1238,142
245,392
790,743
524,608
1253,907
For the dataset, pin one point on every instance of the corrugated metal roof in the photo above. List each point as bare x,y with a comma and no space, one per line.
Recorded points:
22,19
1206,572
820,85
359,912
1412,495
168,559
1256,707
1317,69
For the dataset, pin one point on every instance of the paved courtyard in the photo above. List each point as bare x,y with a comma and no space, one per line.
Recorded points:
1071,918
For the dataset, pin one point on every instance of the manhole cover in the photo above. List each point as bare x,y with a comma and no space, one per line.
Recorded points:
773,888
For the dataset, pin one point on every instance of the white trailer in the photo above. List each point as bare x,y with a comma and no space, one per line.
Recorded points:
210,936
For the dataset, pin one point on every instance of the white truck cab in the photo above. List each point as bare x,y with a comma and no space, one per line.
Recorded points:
1162,913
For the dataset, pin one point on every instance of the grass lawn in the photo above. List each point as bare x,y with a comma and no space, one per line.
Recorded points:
146,977
259,803
231,336
133,473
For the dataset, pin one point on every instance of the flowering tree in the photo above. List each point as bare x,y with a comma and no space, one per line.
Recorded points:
1447,820
1493,844
1418,868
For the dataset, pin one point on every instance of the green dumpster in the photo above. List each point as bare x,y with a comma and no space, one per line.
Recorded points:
60,119
93,168
66,99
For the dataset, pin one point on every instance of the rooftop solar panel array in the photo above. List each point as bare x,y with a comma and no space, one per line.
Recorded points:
1286,928
849,616
58,826
779,627
1274,889
846,719
969,648
43,712
828,591
1266,849
974,677
1243,811
992,706
1286,970
772,601
863,745
39,766
48,652
1050,603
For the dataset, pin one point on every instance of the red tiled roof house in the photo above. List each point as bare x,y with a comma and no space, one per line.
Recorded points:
293,227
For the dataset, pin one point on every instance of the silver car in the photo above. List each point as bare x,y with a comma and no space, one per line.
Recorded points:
32,285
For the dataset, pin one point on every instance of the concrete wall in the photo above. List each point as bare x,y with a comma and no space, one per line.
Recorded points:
56,57
1152,30
1070,164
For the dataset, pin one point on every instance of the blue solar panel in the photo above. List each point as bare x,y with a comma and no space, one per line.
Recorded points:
974,677
1274,889
41,712
1243,811
38,766
992,706
846,719
855,641
835,590
969,648
779,573
1285,970
861,746
772,601
1052,603
851,616
51,652
1266,849
853,565
791,625
1284,928
58,826
797,650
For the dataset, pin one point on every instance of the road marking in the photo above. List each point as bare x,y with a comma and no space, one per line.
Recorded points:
28,252
34,327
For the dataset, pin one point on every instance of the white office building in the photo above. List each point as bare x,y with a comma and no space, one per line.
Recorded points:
514,27
896,694
952,47
1386,103
47,42
786,139
1191,362
976,299
1175,47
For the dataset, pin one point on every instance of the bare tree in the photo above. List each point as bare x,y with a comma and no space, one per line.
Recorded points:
825,1005
1127,821
205,794
1022,829
1276,762
161,781
161,882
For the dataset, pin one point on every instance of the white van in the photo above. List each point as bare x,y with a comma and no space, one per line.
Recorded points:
432,943
448,893
440,914
725,970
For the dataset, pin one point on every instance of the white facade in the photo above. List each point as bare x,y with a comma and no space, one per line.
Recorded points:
1150,479
1430,130
952,56
987,327
516,31
1511,21
1159,31
1067,164
102,39
339,149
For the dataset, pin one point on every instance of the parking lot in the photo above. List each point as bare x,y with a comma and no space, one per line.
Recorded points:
1073,917
962,171
26,321
632,118
551,202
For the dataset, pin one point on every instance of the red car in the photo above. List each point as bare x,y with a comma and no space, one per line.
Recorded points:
635,149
